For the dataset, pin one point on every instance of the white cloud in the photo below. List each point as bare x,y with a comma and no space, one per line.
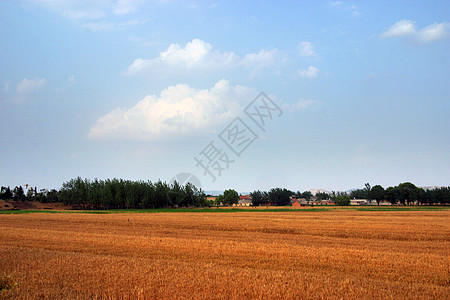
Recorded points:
81,9
29,85
197,54
401,28
433,32
407,28
178,110
310,72
262,59
306,49
112,12
301,104
139,65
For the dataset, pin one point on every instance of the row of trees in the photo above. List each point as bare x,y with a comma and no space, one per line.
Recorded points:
31,194
276,196
282,197
118,193
405,194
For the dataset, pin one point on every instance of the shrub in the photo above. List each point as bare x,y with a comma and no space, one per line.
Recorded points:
342,200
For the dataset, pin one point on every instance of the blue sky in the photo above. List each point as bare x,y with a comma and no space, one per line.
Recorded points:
138,89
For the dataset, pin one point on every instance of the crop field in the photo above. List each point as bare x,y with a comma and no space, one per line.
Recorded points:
232,255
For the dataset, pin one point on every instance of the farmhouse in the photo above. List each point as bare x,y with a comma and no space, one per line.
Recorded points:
297,202
359,202
245,200
211,198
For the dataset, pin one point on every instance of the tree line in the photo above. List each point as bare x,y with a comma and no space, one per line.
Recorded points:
275,196
282,197
116,194
404,194
32,194
119,193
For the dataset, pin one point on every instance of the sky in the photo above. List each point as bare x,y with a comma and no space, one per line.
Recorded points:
239,94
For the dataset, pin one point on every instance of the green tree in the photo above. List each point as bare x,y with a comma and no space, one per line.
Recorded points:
342,200
218,201
31,195
230,197
421,196
359,194
392,194
322,196
178,195
6,193
259,198
19,194
199,196
407,193
377,193
307,195
281,197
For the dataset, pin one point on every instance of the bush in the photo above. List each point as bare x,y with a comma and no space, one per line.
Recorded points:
342,200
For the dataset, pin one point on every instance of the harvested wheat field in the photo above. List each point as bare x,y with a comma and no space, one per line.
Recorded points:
277,255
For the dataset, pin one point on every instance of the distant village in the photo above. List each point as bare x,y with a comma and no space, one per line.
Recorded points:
246,200
354,197
79,193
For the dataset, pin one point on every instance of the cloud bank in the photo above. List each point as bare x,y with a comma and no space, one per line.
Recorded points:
407,29
178,110
97,15
198,55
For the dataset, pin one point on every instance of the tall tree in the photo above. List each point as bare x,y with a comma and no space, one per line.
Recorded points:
359,194
392,195
19,194
307,195
259,198
6,193
230,197
408,193
377,193
322,196
279,196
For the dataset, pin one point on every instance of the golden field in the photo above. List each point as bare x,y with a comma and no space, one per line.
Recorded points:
275,255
